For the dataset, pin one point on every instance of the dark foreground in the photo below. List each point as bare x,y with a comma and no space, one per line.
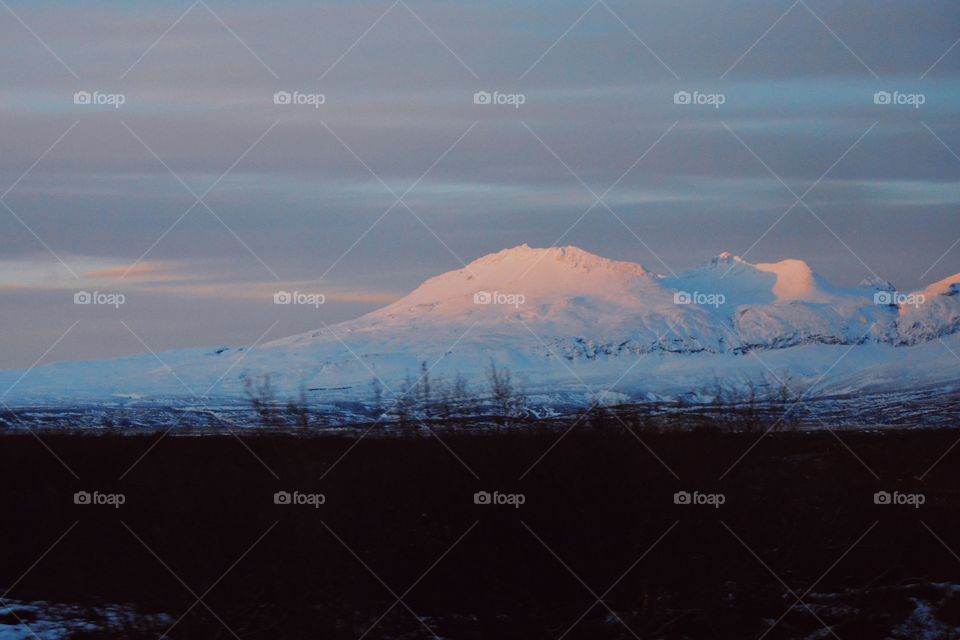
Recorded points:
399,549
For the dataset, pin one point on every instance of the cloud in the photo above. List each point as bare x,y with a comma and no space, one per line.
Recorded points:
305,201
140,272
210,281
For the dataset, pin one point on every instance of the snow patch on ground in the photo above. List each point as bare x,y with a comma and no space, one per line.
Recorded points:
59,621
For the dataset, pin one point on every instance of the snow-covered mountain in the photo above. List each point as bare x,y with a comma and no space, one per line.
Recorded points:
568,324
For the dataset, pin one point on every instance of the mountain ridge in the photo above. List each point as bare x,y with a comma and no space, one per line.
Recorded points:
564,318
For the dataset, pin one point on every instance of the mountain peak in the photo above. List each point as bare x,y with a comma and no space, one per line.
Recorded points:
949,286
795,280
568,256
877,283
723,261
539,275
725,257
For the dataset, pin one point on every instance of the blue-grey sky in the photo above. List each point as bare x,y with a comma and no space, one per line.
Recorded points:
298,194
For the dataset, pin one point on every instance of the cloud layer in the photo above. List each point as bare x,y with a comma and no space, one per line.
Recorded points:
216,196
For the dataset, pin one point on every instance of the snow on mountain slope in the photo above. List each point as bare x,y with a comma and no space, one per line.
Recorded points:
562,318
560,293
938,315
795,280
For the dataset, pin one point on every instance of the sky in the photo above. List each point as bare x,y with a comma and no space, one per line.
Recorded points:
185,186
